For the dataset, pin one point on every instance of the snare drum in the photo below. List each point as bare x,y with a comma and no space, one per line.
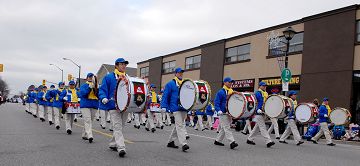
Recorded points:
340,116
277,105
72,108
194,94
130,95
242,105
155,107
306,112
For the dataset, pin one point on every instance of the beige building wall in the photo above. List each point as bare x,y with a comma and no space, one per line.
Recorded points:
139,66
193,74
258,54
180,58
357,58
358,14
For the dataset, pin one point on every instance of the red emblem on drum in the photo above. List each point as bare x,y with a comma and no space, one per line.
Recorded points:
139,89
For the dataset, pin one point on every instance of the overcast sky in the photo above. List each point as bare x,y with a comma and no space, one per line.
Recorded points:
35,33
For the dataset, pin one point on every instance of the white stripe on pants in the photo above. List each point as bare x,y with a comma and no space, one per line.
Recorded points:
50,112
179,130
260,125
225,121
291,128
88,116
57,111
118,121
69,119
199,124
247,126
324,129
150,120
274,126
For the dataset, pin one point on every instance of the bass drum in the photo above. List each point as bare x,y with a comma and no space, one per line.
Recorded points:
194,95
241,105
277,105
340,116
130,95
306,112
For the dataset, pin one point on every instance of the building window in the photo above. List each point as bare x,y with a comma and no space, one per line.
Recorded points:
238,53
168,67
193,62
144,72
358,31
296,45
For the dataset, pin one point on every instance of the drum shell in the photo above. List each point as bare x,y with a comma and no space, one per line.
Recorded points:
196,103
314,113
347,118
245,112
285,104
72,108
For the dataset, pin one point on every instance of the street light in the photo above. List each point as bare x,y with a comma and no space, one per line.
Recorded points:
67,59
288,33
62,71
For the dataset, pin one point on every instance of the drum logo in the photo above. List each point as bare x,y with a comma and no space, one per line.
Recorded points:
139,93
202,93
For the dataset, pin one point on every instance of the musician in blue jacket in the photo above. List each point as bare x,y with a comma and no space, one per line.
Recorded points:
88,105
323,119
153,99
224,117
261,96
291,124
106,96
35,105
43,105
170,102
58,103
50,99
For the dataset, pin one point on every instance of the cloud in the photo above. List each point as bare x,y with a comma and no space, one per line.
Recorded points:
35,33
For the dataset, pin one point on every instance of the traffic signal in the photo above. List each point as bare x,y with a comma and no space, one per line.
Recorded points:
44,82
70,77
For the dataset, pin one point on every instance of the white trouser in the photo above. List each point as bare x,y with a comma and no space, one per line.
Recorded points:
158,118
75,116
69,119
209,123
150,120
105,116
118,121
260,125
57,111
225,121
199,124
37,109
166,118
97,114
247,126
50,113
179,130
324,129
142,118
88,117
42,111
274,126
191,121
33,108
137,119
291,128
129,117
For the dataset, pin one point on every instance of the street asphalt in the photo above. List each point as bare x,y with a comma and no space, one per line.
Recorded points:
26,141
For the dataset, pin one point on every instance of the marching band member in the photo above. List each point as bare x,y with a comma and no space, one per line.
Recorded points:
199,124
88,105
247,127
165,115
106,96
261,96
291,124
153,100
324,111
58,103
170,101
209,114
224,117
36,102
274,126
50,100
42,103
31,101
70,95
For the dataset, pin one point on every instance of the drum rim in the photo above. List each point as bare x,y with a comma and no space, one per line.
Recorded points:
227,106
196,90
348,119
282,102
126,80
312,113
196,94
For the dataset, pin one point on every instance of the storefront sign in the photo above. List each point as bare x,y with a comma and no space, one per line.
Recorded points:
243,83
295,80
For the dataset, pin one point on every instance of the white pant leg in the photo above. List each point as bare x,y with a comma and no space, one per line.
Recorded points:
143,118
88,116
50,113
150,120
33,108
200,122
103,115
69,119
41,111
118,120
209,122
97,114
275,126
225,121
129,117
136,119
168,119
159,120
57,116
247,126
324,129
179,131
191,121
37,111
294,130
260,124
286,133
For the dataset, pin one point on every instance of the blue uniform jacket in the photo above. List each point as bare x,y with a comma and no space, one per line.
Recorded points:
107,90
30,97
49,97
323,111
200,112
260,100
85,102
170,98
220,101
40,98
58,100
209,110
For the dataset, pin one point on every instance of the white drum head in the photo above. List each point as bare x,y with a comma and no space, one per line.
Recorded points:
274,106
236,105
338,117
187,94
122,97
303,113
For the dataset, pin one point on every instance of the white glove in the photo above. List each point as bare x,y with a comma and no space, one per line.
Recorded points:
65,98
325,115
105,100
259,111
78,99
220,113
163,109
